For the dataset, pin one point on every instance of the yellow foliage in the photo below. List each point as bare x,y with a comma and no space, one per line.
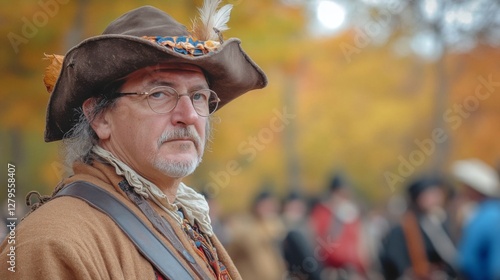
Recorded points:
360,114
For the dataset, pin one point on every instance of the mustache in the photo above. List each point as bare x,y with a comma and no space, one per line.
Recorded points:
181,133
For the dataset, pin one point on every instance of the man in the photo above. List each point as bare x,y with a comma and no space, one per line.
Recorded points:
133,108
420,246
479,250
255,239
338,228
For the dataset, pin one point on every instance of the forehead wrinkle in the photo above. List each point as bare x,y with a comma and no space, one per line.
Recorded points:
162,82
149,77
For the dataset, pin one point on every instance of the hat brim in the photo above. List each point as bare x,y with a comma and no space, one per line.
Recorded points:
97,61
477,175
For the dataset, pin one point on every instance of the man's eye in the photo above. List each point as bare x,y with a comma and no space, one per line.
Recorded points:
199,96
158,94
162,94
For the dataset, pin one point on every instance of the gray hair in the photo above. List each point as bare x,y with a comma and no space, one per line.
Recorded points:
79,141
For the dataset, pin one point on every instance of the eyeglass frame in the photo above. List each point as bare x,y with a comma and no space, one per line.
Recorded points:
189,94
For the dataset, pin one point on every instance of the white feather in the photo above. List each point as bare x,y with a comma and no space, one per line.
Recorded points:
211,20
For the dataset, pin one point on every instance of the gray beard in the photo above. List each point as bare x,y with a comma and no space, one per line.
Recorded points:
175,169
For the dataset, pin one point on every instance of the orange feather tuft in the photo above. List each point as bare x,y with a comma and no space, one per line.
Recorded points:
52,71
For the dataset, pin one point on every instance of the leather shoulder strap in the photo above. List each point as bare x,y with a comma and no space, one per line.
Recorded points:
162,226
415,245
145,241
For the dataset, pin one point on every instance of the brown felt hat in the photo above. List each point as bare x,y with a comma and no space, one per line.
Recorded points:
144,37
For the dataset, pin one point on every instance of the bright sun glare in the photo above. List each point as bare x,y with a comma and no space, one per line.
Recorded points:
330,14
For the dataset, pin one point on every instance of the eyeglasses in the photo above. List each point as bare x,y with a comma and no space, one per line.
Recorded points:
164,99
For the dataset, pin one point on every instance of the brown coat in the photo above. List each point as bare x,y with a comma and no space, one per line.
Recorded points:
254,247
68,239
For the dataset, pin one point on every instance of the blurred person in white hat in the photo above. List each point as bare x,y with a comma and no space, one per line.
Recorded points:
479,248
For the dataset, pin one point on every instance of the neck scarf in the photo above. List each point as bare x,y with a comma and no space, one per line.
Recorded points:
194,204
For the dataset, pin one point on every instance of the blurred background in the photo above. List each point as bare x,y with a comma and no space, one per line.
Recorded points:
380,91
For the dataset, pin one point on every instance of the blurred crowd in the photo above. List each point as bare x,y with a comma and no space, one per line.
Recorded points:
442,226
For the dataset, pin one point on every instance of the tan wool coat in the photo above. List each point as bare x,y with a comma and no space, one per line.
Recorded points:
68,239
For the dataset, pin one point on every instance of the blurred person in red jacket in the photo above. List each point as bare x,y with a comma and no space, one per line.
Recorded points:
338,226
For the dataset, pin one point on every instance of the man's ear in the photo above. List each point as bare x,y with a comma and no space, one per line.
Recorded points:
99,122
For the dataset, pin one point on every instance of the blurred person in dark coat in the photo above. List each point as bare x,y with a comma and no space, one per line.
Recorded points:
420,247
479,249
298,245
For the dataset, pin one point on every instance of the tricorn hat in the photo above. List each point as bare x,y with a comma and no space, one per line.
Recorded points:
145,37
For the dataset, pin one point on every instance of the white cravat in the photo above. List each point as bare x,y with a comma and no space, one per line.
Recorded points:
194,204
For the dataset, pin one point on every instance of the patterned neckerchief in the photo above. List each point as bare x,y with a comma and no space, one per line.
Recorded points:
205,249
